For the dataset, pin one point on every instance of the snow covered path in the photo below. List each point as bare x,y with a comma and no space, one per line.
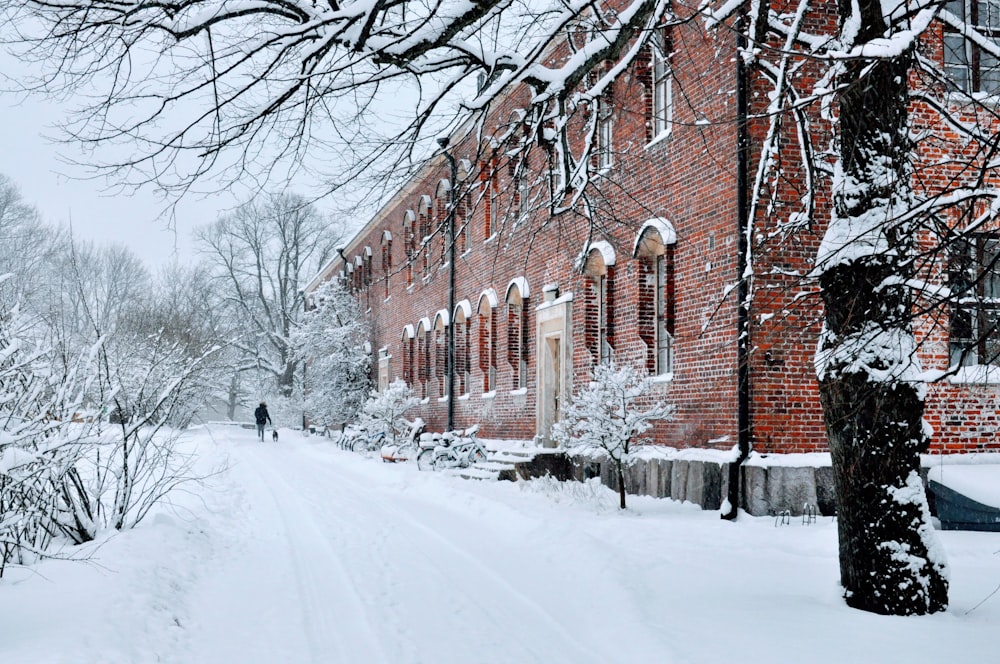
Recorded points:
341,567
302,553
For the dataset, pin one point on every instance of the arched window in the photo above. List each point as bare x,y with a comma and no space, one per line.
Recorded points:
424,219
463,367
487,341
517,331
442,197
386,263
408,359
410,244
655,251
423,368
599,301
440,342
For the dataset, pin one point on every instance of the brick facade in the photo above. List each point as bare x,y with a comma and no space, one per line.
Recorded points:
520,274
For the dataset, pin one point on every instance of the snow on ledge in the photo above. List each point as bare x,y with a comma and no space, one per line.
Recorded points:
983,374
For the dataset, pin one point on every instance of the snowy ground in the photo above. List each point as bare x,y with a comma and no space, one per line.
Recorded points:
303,553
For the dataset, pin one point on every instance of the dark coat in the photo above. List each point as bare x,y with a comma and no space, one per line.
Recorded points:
261,415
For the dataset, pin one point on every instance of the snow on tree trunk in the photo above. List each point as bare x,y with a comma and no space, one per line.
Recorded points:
872,396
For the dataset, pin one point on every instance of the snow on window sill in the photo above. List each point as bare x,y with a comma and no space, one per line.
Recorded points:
443,399
663,378
490,239
425,400
519,392
463,397
983,374
659,138
490,395
466,253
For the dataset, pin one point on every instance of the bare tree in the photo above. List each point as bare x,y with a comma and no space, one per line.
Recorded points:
26,247
261,255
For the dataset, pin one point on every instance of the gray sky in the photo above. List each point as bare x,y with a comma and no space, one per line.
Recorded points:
63,197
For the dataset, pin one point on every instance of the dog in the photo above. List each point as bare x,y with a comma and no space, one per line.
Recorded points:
274,435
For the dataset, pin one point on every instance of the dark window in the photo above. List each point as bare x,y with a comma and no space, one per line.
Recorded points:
974,279
969,67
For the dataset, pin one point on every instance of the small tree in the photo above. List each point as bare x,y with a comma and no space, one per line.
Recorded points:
608,415
384,412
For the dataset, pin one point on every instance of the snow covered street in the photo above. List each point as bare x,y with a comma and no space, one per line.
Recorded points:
304,553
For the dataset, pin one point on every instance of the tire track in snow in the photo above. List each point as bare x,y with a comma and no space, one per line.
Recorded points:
330,606
477,593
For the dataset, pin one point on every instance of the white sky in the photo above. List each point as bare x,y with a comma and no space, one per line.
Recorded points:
62,194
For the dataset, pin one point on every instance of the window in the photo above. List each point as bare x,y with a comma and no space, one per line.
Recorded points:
384,368
462,366
517,342
442,199
461,225
386,262
487,344
407,344
969,67
602,146
599,302
423,358
441,354
491,195
974,279
424,217
410,239
655,252
523,179
662,83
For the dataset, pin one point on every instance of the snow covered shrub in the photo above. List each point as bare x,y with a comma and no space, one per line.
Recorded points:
153,382
607,415
332,341
40,443
384,412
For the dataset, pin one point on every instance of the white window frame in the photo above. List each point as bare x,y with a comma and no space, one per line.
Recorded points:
663,88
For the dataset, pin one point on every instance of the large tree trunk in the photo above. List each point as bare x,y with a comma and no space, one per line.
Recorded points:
870,388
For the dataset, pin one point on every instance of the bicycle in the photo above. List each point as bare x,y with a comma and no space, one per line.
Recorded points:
407,449
451,449
357,439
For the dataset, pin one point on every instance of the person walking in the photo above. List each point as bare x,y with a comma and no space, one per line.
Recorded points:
262,417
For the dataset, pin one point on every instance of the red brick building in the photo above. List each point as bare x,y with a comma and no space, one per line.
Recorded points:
650,275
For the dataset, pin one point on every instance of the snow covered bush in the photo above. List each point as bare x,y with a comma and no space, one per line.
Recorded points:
384,412
43,434
332,341
608,415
